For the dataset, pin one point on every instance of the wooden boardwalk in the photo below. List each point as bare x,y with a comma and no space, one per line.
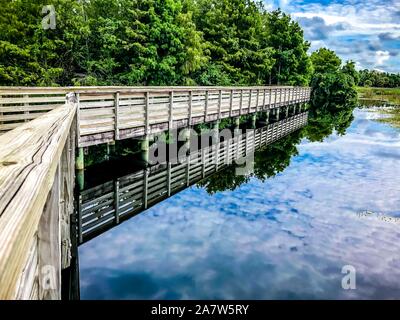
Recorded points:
104,206
40,130
107,114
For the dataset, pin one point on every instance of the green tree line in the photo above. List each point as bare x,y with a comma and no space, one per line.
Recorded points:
373,78
151,42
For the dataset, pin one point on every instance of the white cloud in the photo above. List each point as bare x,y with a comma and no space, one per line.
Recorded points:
381,57
356,30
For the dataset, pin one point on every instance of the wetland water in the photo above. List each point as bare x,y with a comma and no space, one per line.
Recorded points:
283,233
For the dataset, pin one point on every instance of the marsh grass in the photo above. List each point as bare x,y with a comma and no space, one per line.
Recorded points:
390,95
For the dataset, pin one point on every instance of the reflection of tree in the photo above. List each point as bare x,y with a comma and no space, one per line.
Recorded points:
268,162
225,179
275,158
325,119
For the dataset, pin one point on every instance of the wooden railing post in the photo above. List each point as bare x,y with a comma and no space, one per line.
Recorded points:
190,108
170,113
206,106
147,113
116,115
219,104
264,99
231,104
250,98
241,102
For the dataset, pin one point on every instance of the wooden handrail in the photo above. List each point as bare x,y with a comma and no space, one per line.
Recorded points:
111,89
29,160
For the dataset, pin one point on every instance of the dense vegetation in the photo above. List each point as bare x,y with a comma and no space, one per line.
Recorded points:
373,78
151,42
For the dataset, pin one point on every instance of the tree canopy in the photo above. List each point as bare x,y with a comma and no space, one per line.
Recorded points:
325,61
151,42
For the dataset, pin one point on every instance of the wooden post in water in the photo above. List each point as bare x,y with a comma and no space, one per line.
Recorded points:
237,126
80,159
253,120
145,148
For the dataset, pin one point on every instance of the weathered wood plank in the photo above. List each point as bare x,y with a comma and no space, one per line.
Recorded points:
29,156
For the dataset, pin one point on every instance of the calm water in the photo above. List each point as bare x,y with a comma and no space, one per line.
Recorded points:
285,238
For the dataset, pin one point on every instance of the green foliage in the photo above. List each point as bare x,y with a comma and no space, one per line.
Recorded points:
333,91
325,61
292,64
234,34
373,78
30,55
151,42
333,87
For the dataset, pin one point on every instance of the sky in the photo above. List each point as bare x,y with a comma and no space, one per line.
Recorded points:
367,32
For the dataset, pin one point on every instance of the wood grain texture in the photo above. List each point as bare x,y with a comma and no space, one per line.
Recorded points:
29,157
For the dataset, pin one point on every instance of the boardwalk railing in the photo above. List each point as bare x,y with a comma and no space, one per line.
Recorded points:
36,200
106,114
104,206
38,135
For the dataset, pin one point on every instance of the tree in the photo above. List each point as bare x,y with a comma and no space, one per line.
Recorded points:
292,64
31,55
144,42
325,60
235,42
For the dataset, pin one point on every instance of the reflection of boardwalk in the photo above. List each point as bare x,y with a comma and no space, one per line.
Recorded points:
104,206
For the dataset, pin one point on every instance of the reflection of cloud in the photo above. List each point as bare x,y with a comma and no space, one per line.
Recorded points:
285,238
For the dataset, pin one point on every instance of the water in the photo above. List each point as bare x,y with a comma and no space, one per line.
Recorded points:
286,237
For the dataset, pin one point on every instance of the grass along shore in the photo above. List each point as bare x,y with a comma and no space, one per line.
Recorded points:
388,95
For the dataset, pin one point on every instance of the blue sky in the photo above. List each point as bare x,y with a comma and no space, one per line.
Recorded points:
367,32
